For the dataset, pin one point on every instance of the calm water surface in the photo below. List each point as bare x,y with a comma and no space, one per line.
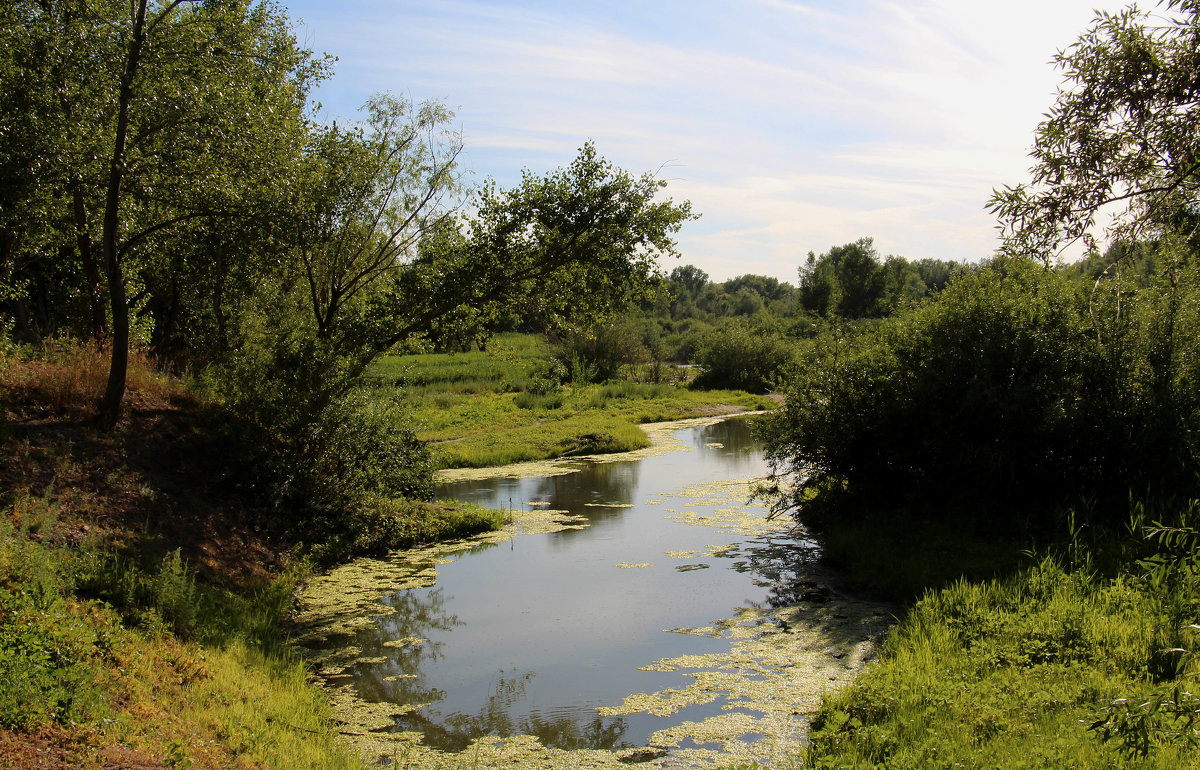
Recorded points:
531,635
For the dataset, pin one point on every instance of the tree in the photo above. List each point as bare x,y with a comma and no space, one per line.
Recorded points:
136,123
207,97
847,280
689,278
566,247
373,193
1123,134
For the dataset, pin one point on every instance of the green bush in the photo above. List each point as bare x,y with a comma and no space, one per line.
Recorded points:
316,440
998,400
737,355
48,648
600,353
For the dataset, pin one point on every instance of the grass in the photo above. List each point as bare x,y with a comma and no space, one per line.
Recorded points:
168,671
478,409
1007,673
1046,667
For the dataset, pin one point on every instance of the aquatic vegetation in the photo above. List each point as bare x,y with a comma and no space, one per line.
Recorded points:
753,697
780,664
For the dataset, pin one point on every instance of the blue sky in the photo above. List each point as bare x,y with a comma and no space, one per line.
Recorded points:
792,126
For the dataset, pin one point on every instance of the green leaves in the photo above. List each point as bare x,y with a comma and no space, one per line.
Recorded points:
1122,136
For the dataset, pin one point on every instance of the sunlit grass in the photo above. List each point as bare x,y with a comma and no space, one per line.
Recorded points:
175,672
475,408
1008,673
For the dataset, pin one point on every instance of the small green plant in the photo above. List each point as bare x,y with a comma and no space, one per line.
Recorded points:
536,401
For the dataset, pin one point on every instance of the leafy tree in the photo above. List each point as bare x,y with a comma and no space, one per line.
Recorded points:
768,288
936,273
847,280
566,247
1122,133
819,288
689,278
142,122
371,193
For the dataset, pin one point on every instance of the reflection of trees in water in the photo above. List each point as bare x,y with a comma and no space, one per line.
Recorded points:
785,566
598,484
418,615
738,447
456,731
490,492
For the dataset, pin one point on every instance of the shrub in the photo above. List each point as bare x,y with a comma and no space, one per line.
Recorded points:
988,400
1014,392
737,355
48,647
599,354
317,441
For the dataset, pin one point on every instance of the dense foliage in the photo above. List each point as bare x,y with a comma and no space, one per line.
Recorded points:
1001,397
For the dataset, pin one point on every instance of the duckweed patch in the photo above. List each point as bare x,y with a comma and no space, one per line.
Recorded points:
660,435
780,663
728,498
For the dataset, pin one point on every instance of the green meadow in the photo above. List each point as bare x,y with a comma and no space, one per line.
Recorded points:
491,407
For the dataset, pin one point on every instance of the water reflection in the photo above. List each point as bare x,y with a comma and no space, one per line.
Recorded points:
534,636
408,643
455,732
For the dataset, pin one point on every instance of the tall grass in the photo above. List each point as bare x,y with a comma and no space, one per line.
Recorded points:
1047,668
68,376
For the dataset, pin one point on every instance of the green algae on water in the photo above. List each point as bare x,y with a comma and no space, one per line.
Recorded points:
779,662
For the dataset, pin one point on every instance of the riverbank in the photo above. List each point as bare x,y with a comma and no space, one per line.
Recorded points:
498,407
141,599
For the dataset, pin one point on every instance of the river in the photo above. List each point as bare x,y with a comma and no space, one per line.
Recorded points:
649,611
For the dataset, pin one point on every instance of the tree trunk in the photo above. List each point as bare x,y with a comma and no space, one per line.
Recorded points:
114,392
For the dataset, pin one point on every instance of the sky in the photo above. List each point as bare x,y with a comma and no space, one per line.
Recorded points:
791,125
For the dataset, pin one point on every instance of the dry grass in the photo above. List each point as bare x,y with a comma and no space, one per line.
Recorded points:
67,378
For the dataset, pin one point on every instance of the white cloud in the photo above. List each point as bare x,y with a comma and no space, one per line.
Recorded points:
790,125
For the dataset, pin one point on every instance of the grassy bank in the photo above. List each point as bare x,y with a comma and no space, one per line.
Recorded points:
1045,667
496,407
145,591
